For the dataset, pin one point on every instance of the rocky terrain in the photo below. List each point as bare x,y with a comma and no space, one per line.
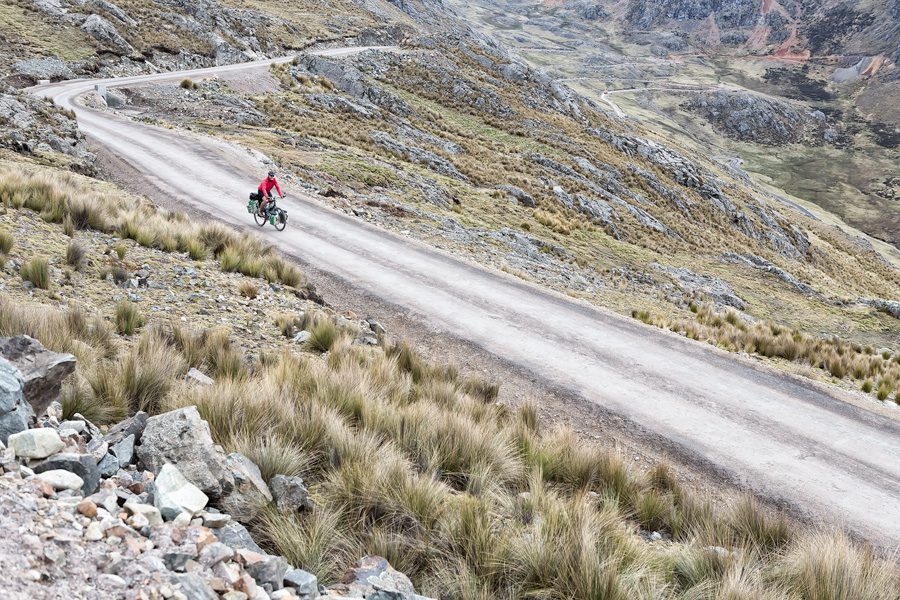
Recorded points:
35,128
763,120
187,418
303,458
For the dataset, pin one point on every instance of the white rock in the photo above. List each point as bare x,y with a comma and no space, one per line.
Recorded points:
62,480
151,513
138,521
175,494
215,520
36,443
198,377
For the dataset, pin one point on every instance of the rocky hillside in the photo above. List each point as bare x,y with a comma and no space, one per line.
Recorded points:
819,29
61,39
476,152
653,62
470,148
125,511
40,130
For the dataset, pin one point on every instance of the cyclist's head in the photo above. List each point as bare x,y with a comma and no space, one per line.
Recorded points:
271,174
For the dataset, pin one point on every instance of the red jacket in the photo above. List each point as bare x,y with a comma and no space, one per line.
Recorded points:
265,188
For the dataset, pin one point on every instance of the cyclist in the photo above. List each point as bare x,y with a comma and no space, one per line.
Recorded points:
265,191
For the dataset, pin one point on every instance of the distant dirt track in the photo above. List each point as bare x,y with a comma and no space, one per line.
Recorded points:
792,442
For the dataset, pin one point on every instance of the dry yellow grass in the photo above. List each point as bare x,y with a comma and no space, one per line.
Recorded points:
62,197
837,357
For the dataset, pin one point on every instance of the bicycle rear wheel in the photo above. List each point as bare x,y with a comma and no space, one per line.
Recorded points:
280,219
260,220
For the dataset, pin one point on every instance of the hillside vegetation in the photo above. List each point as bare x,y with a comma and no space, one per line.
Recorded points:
404,458
476,154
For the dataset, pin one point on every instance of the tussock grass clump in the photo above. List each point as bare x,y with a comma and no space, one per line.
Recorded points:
187,84
75,255
885,387
248,289
128,318
830,567
121,250
70,331
37,271
322,337
195,249
102,404
149,371
224,359
288,324
7,241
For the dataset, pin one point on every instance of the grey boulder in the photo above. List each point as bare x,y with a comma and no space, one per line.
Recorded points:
374,578
43,371
289,493
15,412
175,495
131,426
250,489
182,438
265,569
305,585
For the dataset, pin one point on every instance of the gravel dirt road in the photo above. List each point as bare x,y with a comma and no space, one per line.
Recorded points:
795,443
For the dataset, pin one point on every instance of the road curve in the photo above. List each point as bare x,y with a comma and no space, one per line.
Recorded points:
782,438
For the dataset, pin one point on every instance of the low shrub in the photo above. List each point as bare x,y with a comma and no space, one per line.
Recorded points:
196,250
75,255
128,318
322,336
37,271
7,241
248,289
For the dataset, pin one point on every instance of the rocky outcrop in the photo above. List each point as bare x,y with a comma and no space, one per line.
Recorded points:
413,154
644,14
350,80
889,307
761,119
35,69
105,33
704,286
518,194
34,127
760,263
